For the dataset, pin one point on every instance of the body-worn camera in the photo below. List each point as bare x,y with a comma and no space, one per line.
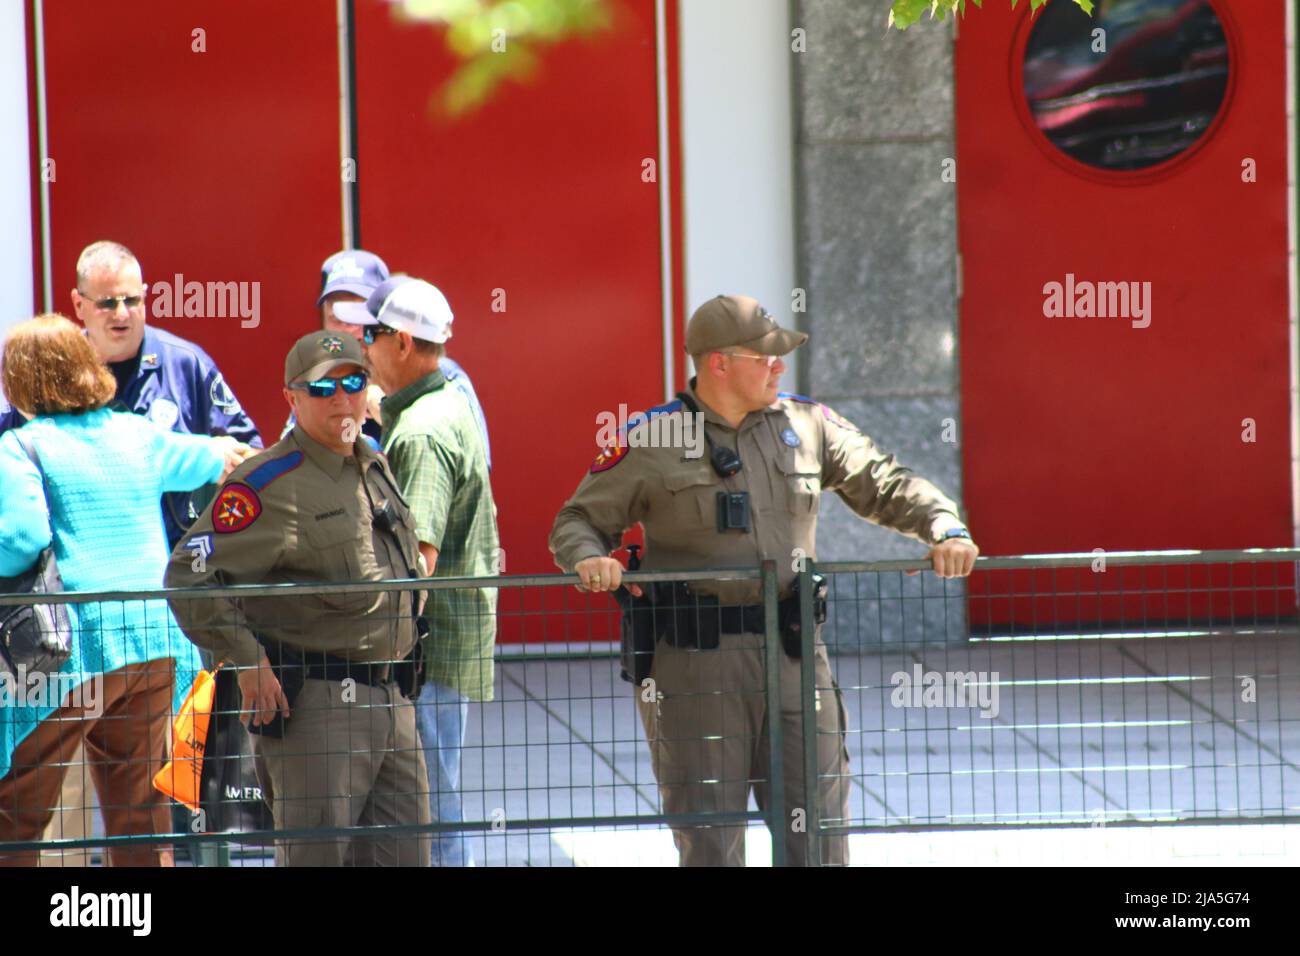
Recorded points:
733,511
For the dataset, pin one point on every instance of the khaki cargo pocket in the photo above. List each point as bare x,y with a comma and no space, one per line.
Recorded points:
336,556
692,498
803,484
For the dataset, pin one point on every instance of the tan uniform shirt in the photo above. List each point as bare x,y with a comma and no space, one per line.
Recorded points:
792,451
298,512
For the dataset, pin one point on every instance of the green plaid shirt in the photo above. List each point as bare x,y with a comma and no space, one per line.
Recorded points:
435,450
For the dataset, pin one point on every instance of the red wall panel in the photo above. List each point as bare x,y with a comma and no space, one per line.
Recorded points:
539,194
224,166
1088,433
221,165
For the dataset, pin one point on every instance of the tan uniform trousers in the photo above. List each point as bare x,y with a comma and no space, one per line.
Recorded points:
709,745
125,746
350,756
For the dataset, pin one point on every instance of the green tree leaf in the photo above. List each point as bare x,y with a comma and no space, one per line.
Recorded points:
499,40
904,13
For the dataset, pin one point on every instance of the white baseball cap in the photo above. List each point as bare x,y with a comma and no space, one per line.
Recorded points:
403,303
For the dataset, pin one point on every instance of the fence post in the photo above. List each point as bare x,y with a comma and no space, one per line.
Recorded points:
808,700
776,820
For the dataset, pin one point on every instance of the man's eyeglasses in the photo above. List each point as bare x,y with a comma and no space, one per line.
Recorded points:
768,360
326,387
110,304
372,332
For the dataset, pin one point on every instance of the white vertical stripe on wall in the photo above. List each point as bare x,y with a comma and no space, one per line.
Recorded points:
1293,306
345,123
16,275
665,174
737,174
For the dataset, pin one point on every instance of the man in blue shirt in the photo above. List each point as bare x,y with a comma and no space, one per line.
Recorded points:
161,376
170,381
350,276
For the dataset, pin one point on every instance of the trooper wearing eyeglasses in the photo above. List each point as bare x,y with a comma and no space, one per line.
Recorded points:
753,496
161,376
324,677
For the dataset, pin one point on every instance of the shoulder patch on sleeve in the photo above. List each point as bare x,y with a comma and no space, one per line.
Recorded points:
608,458
267,472
237,506
636,419
838,419
828,413
221,395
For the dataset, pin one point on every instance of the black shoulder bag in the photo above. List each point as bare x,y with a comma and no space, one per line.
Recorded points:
34,638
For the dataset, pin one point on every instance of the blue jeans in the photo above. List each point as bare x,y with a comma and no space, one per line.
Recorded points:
440,716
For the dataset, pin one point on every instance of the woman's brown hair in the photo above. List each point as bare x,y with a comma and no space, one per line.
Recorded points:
49,368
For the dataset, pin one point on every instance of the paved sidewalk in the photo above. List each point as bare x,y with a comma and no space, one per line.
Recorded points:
1091,732
1094,731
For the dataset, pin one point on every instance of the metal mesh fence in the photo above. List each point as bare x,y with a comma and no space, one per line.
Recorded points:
1044,691
1087,690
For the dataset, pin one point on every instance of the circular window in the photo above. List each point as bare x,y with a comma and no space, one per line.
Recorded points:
1135,85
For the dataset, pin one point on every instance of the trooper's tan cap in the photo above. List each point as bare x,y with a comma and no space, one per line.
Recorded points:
319,353
727,321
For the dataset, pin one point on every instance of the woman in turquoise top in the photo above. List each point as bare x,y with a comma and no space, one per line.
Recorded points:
96,498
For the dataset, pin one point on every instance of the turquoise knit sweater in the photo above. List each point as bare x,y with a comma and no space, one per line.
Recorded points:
106,472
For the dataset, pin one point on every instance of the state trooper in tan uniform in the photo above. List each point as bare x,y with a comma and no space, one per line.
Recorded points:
707,720
320,673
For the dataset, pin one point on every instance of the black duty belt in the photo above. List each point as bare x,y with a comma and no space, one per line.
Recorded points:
315,665
335,668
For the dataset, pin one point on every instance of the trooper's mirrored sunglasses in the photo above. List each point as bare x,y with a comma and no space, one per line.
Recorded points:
326,387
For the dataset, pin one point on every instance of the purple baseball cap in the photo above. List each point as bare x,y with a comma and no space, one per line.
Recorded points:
352,270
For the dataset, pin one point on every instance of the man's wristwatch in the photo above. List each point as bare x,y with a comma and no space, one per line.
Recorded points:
954,533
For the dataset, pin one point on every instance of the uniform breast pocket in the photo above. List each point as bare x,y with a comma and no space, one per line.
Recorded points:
336,557
803,484
691,499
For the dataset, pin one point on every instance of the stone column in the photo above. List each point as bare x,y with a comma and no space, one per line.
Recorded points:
877,254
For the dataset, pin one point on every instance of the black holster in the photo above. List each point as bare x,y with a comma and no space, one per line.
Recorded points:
408,674
291,671
667,611
791,621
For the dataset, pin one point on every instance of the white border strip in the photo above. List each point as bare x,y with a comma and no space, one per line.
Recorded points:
43,148
345,121
1292,264
665,200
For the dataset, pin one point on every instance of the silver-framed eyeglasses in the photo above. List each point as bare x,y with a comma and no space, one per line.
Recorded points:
768,360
